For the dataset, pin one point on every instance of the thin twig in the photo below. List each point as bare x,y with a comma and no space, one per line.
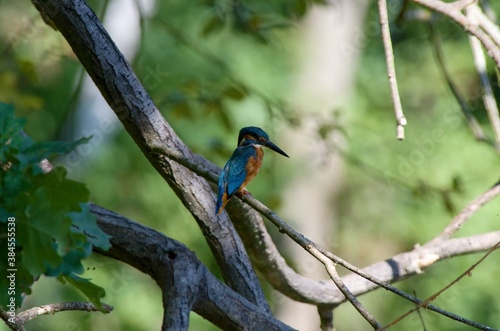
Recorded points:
391,71
435,295
474,126
27,315
332,272
466,213
424,328
480,64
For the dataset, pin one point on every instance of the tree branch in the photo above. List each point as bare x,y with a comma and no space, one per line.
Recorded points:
454,13
473,124
129,100
185,282
467,212
453,282
332,272
487,25
27,315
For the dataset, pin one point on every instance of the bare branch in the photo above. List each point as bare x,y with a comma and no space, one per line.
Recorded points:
266,258
480,64
27,315
487,25
396,268
435,295
185,282
474,126
391,70
332,272
420,314
467,212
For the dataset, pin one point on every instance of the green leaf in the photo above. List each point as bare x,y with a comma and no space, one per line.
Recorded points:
235,93
55,230
61,190
42,225
85,222
48,149
92,291
212,24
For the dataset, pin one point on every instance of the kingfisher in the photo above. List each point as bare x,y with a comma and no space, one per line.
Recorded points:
244,164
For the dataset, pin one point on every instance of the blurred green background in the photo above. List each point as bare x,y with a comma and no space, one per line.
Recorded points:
214,67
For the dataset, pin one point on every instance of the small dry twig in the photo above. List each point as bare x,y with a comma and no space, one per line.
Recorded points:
332,272
27,315
472,122
391,70
466,213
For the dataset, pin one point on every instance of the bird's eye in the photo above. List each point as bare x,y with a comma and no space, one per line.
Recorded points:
262,139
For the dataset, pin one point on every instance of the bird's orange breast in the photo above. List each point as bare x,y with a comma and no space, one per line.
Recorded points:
252,167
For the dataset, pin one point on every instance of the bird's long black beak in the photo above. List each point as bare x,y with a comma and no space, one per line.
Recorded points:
275,148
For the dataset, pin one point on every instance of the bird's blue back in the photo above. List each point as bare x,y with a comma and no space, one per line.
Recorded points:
234,173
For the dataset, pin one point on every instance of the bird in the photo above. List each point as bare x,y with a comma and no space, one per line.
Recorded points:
244,164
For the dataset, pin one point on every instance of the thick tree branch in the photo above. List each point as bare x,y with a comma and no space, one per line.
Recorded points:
129,100
185,282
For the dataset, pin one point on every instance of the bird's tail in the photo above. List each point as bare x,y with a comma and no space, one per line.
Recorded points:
221,203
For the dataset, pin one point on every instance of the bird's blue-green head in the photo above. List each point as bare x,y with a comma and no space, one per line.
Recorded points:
252,135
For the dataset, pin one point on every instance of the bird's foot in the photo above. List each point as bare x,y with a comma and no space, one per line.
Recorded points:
243,192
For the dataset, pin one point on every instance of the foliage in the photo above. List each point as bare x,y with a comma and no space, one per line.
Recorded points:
45,223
